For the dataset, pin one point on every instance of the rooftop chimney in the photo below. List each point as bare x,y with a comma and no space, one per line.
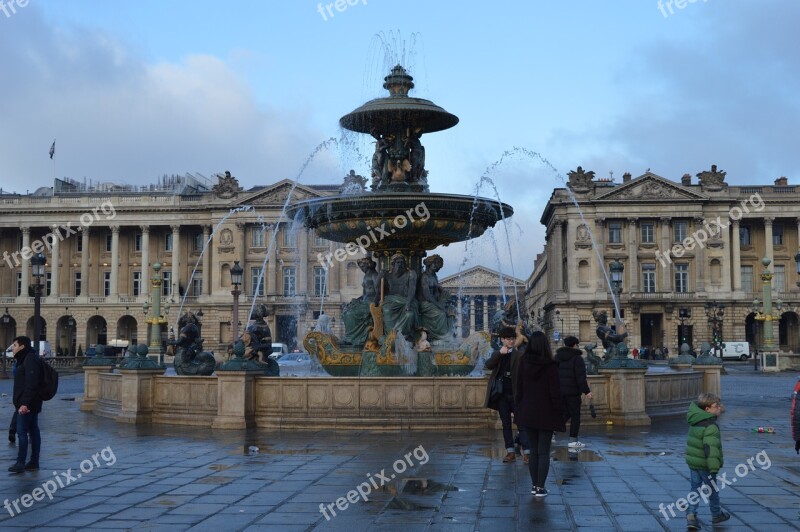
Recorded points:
686,179
626,177
782,181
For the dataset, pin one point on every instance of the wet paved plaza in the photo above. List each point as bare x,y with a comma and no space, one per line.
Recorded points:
105,475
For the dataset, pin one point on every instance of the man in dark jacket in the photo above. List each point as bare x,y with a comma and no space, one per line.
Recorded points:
27,403
572,378
504,364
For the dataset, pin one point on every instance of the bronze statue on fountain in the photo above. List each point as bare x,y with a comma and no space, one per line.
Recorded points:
190,359
257,340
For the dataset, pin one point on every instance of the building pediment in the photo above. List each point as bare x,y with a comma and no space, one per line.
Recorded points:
277,194
650,187
477,276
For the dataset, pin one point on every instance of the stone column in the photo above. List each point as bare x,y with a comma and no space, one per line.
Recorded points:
460,315
486,313
302,253
558,242
137,390
236,399
626,397
26,263
768,239
114,262
271,262
597,267
666,285
471,314
333,274
700,260
144,286
206,261
85,264
798,233
736,259
633,260
176,260
56,259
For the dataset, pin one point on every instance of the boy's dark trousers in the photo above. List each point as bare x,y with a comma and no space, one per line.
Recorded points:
572,407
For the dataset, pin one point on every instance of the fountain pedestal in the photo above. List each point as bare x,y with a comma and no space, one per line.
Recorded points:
626,397
91,384
136,395
236,405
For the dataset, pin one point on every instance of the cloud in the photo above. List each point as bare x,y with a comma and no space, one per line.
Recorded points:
118,118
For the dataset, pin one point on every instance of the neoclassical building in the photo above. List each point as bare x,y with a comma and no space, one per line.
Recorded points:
102,240
654,227
480,292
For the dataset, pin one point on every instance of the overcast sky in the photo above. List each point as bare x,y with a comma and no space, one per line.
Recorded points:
134,90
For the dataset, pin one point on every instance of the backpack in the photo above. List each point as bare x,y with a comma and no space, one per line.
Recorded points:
49,382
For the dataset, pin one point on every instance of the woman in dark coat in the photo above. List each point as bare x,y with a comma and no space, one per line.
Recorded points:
540,409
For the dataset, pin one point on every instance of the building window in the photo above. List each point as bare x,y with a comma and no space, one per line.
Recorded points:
615,233
77,283
289,281
48,283
320,242
79,245
777,234
197,286
747,278
681,278
289,237
137,242
255,273
108,242
680,231
649,278
137,283
320,281
166,283
744,235
19,283
257,237
198,242
168,242
106,284
779,278
648,232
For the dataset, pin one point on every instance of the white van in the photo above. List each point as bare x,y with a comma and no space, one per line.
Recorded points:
45,350
278,350
736,351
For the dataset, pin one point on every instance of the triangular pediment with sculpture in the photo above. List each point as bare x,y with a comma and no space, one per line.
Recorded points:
477,276
276,195
650,187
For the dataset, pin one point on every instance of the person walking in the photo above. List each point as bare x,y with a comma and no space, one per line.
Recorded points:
573,383
27,403
704,455
540,409
504,364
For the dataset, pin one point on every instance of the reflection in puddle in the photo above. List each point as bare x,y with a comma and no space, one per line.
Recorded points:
562,454
417,493
639,453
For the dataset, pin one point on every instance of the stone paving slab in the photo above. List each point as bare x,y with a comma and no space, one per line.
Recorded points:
180,478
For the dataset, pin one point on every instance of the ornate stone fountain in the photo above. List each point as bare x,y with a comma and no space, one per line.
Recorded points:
403,324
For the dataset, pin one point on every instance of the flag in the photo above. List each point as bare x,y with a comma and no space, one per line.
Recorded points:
53,149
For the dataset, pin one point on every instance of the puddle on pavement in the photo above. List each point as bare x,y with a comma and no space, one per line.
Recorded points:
639,453
417,493
219,467
562,454
214,480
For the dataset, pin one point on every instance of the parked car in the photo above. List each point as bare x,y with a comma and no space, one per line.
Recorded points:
45,350
295,363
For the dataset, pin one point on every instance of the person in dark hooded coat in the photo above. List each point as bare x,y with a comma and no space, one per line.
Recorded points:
540,409
572,378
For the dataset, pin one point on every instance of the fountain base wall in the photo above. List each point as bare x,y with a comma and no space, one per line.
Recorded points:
367,403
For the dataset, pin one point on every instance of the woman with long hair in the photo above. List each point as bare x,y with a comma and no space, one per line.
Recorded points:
540,409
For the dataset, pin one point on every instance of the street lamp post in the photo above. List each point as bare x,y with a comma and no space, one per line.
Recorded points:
561,326
715,312
236,280
38,263
617,268
156,320
683,314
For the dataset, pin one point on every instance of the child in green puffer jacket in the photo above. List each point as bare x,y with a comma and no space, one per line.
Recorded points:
704,457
